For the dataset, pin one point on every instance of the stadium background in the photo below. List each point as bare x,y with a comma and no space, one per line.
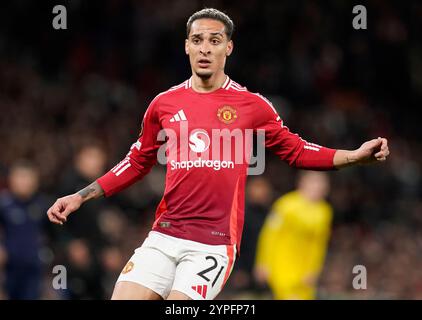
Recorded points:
87,87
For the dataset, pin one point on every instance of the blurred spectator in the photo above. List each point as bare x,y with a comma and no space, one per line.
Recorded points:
112,260
89,164
83,272
390,253
23,218
293,242
258,202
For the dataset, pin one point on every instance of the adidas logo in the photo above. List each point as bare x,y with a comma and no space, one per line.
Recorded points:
179,116
202,290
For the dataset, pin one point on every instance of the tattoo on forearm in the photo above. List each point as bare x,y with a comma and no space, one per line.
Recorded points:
94,190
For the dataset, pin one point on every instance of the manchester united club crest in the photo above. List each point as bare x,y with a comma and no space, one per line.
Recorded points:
128,267
227,114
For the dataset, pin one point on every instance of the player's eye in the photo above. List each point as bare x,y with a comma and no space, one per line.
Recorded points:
215,41
196,41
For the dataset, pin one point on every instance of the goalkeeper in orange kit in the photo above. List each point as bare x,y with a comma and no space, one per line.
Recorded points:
293,241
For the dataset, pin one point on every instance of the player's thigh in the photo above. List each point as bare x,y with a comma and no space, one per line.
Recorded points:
148,268
125,290
177,295
202,276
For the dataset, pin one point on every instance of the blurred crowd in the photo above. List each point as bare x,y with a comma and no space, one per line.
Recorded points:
71,102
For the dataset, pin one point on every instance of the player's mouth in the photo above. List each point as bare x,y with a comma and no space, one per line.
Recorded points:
204,63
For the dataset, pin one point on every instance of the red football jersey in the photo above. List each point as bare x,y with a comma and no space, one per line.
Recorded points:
209,139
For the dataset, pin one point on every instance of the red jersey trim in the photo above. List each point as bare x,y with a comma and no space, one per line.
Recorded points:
162,207
233,214
230,254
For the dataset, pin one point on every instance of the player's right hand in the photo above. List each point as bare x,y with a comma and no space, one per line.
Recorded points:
59,211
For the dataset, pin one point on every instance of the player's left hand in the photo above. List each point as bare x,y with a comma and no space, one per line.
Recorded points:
372,151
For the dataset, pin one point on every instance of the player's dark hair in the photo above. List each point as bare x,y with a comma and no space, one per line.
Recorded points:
210,13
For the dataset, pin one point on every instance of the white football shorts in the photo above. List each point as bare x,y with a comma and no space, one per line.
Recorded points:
164,263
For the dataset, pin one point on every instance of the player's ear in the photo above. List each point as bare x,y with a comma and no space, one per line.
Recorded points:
186,46
229,48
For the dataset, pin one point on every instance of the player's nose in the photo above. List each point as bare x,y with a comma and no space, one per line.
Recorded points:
205,49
